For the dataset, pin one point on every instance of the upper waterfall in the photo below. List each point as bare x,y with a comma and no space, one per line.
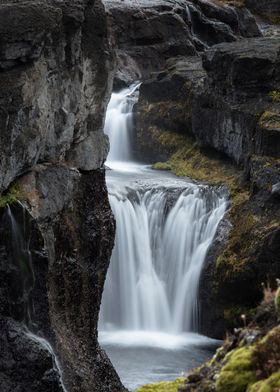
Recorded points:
119,124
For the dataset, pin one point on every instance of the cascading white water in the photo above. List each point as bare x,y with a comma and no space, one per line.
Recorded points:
164,230
153,279
118,123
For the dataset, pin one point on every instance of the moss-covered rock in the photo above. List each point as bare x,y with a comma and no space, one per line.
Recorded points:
10,197
238,315
270,119
272,384
266,356
238,372
164,386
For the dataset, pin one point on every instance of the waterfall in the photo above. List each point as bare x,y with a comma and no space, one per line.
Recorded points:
164,229
118,123
158,257
22,259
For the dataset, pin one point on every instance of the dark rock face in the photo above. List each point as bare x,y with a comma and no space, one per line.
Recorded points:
264,7
235,94
73,213
25,365
146,34
163,99
55,78
70,229
53,56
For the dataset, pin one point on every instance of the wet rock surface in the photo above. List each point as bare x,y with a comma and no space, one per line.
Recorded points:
78,231
55,246
146,34
54,83
24,363
235,94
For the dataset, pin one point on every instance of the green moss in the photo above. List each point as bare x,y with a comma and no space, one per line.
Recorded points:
237,373
164,386
232,316
277,302
10,197
275,95
270,120
266,357
189,161
271,384
162,166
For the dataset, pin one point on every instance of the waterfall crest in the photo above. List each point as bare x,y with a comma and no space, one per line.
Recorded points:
158,257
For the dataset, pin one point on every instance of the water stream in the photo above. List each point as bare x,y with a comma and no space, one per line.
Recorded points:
22,258
165,225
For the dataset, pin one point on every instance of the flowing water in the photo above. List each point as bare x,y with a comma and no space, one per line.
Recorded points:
22,259
165,225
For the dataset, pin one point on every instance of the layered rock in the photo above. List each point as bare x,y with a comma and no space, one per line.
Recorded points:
147,33
234,96
209,116
53,85
55,246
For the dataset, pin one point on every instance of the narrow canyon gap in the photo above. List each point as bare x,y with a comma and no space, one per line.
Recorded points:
165,226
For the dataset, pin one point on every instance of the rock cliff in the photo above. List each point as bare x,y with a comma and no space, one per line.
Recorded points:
55,246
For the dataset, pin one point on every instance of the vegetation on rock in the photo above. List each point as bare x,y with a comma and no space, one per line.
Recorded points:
10,197
266,356
275,95
238,371
270,119
164,386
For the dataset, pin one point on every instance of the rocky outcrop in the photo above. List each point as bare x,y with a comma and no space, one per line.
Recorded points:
227,111
249,358
266,8
74,217
55,246
146,34
53,88
195,116
24,363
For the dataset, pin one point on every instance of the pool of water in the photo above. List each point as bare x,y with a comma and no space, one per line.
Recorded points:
147,357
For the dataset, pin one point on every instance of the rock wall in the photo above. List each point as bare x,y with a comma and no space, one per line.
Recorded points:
144,34
55,78
53,85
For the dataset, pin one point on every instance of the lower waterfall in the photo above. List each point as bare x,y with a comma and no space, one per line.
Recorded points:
158,257
164,227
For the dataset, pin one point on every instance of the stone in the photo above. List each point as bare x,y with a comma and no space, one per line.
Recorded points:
55,84
24,363
143,34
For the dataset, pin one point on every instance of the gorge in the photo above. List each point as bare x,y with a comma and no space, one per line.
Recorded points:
150,249
164,229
